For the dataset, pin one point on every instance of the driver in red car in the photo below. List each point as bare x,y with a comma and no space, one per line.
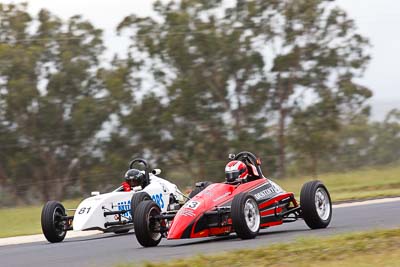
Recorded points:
238,172
133,178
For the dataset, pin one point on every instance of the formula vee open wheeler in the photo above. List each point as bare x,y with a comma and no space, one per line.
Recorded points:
243,207
111,212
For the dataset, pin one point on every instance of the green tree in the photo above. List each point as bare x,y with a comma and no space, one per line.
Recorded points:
313,135
362,142
385,140
213,80
315,54
52,97
288,56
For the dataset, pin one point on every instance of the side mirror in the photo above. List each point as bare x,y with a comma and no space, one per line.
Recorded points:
156,171
95,193
231,156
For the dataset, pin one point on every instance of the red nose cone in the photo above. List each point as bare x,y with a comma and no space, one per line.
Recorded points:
185,220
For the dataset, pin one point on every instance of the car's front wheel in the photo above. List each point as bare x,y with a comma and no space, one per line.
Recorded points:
147,225
53,223
137,198
245,216
316,205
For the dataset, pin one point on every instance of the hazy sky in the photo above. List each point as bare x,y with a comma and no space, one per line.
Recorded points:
377,19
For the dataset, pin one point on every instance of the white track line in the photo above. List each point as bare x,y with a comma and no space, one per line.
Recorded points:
40,238
367,202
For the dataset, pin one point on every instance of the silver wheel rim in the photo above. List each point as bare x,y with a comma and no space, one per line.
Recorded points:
322,204
154,225
252,215
58,222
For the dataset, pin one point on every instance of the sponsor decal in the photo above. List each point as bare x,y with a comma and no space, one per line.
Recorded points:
265,193
158,199
187,213
277,188
125,205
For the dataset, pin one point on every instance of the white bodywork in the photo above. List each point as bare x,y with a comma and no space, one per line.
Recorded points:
90,213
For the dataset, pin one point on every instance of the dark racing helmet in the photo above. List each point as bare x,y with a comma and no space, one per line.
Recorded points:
236,171
134,177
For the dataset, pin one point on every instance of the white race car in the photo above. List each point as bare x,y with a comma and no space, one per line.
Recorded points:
111,212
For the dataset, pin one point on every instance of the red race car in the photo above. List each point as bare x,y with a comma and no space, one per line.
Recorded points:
239,205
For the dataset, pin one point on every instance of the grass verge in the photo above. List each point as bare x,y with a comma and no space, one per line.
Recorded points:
355,185
377,248
24,220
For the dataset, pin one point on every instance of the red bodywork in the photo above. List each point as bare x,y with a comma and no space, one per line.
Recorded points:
196,218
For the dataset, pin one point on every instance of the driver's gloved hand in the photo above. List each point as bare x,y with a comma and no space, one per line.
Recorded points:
126,187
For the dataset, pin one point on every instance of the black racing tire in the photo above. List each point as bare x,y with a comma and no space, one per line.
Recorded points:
316,205
200,187
145,225
245,216
136,199
53,226
124,231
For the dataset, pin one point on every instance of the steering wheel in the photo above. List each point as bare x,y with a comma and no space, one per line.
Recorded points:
146,181
249,157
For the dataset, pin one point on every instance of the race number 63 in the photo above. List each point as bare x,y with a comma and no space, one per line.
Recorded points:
192,205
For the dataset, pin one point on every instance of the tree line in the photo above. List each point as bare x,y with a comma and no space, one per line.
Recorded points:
201,79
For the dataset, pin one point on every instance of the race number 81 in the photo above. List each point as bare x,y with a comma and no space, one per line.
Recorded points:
84,210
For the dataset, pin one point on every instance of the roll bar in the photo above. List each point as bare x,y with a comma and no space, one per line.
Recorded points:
146,181
248,156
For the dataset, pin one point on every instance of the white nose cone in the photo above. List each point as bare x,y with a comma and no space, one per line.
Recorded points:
89,214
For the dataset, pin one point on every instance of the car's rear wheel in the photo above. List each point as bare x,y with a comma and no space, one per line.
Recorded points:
245,216
199,187
53,223
316,205
147,225
137,198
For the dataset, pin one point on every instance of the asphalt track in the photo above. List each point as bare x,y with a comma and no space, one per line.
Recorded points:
110,249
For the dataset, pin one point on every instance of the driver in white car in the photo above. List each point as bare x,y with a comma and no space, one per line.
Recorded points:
133,178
